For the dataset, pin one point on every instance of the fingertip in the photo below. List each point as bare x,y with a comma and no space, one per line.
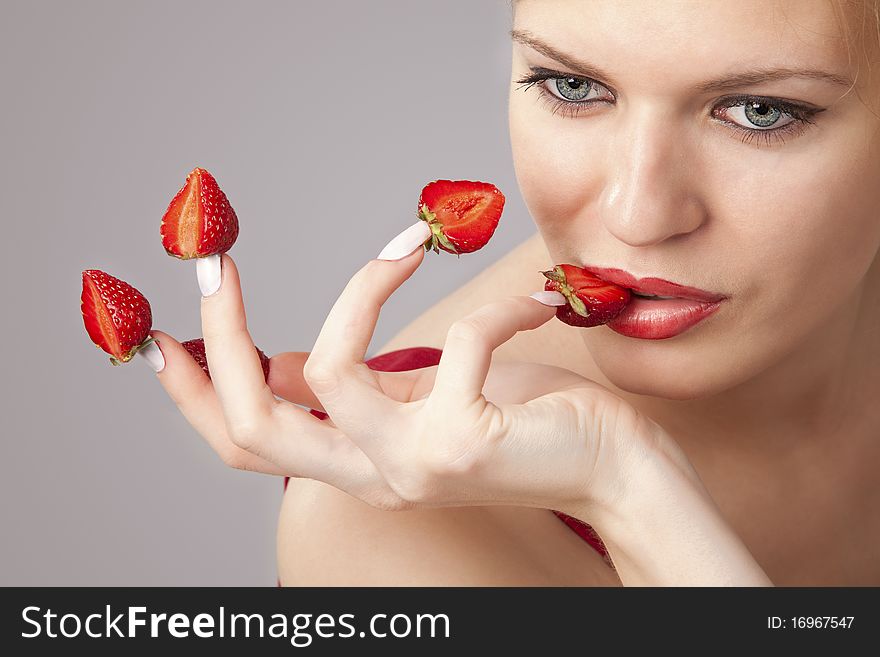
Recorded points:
549,298
152,356
404,244
281,365
168,345
176,359
158,338
161,336
209,272
538,314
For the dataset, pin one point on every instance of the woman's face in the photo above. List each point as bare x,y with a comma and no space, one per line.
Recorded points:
636,157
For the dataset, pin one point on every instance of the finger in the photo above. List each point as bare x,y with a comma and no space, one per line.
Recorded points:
470,341
286,379
533,380
308,447
235,365
190,388
335,370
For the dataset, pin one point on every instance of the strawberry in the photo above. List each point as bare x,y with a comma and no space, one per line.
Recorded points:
196,349
199,221
117,317
462,214
591,300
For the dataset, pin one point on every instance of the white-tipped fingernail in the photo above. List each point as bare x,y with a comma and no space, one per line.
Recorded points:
406,242
153,356
550,298
208,272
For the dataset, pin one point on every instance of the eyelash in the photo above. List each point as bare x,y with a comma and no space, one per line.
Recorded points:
801,115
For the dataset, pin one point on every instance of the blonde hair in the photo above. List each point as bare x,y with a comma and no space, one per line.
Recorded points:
859,21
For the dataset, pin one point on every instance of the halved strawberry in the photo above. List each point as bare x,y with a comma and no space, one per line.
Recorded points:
462,214
591,300
196,349
199,221
117,317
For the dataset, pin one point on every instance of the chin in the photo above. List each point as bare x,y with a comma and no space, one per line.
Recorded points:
669,369
661,386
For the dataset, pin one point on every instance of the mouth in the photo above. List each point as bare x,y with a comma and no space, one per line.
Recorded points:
649,296
658,309
654,288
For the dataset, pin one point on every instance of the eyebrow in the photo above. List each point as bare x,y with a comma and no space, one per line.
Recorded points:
742,79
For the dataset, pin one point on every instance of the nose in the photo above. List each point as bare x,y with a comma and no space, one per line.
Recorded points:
649,192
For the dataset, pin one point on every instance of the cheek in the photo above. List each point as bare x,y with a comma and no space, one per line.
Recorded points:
553,170
802,231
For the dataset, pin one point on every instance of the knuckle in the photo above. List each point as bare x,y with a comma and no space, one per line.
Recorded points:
389,502
234,459
414,486
320,376
245,434
412,492
433,472
451,459
607,411
469,331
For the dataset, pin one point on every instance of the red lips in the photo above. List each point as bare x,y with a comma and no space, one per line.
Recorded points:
655,286
597,296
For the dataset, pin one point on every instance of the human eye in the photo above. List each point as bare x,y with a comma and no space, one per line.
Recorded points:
768,120
753,118
567,94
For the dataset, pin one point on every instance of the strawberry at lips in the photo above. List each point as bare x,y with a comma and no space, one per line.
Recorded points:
648,308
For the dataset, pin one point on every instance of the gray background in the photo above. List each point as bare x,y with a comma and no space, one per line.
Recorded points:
322,121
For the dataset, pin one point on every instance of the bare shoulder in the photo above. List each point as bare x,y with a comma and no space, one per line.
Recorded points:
328,538
515,273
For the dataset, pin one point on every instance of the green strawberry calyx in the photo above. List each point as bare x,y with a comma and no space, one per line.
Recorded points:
557,275
437,234
131,352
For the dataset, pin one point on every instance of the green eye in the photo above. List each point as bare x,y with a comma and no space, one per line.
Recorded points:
572,89
758,115
762,114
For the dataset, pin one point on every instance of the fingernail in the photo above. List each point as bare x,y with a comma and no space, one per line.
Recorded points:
153,356
406,242
550,298
209,272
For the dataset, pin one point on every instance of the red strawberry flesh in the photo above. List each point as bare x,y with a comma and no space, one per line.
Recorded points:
196,349
463,214
592,301
116,316
199,221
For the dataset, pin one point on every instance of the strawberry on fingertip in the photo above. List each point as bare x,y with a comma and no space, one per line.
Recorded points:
462,214
117,317
199,221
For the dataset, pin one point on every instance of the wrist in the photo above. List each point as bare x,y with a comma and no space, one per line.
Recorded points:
662,528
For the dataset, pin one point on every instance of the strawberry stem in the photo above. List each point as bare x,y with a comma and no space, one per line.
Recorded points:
437,234
127,357
557,275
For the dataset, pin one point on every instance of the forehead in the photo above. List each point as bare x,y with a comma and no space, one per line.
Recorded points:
688,41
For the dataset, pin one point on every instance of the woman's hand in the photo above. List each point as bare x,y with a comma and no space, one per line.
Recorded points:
397,440
455,435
